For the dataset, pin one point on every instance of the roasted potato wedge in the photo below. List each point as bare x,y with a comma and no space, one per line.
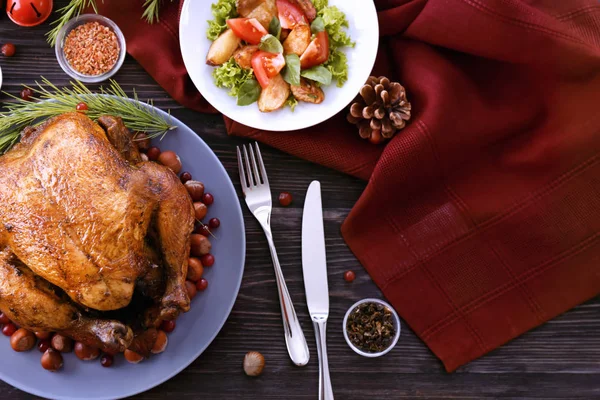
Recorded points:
308,92
298,40
245,7
222,49
243,56
275,95
264,13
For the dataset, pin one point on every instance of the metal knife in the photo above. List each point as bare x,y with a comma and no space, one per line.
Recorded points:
314,268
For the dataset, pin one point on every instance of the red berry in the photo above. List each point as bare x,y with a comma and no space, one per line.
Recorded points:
207,260
201,285
9,329
214,223
168,326
44,345
8,50
349,276
4,319
208,199
82,107
203,230
185,177
26,94
107,360
285,199
153,153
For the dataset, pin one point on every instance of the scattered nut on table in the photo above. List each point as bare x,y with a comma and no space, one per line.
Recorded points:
254,363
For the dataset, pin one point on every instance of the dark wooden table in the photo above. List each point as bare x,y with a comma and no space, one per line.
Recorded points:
560,359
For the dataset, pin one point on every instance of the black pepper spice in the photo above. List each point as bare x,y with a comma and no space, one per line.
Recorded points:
370,327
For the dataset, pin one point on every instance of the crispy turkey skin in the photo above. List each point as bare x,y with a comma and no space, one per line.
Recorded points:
80,210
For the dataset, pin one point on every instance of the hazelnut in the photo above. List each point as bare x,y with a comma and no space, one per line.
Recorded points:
43,335
85,352
161,343
254,363
142,140
200,245
195,269
170,160
52,360
200,210
62,343
133,357
22,340
190,287
195,189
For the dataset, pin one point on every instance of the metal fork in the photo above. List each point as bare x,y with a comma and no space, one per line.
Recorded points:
255,186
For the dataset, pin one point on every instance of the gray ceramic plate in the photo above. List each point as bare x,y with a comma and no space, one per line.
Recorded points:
195,330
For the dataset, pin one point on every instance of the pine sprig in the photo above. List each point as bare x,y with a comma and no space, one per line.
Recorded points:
151,10
71,10
50,101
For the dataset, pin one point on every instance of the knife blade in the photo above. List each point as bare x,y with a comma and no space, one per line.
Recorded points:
314,269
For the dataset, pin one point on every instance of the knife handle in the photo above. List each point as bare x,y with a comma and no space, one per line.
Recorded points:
325,389
294,337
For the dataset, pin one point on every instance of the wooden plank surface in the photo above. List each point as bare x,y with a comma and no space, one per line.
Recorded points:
560,359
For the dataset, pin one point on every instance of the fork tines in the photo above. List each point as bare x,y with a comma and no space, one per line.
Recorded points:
251,174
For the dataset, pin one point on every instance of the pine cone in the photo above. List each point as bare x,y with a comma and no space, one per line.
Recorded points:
381,110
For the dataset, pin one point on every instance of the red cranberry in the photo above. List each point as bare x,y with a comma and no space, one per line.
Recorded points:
82,107
107,360
26,94
153,153
4,319
203,230
349,276
207,260
201,285
186,177
9,329
208,199
214,223
8,50
168,326
285,199
44,345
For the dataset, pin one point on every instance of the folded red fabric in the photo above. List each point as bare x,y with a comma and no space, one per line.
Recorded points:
481,220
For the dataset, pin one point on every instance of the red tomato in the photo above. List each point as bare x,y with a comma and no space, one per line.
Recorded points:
267,65
247,29
317,52
290,14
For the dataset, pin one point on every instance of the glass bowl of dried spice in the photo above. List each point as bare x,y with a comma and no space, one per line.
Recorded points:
90,48
371,327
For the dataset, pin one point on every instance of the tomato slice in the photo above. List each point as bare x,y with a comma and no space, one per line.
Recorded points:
317,52
290,14
266,66
247,29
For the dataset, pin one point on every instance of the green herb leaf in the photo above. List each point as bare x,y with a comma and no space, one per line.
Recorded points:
151,10
291,102
71,10
275,28
318,74
231,76
269,43
291,73
249,93
222,10
318,25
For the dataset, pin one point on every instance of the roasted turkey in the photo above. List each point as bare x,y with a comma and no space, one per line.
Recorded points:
86,226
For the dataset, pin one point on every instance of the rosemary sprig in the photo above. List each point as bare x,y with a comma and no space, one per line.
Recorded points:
50,101
71,10
151,10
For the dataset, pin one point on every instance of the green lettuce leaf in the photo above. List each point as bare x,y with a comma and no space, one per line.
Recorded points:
231,76
222,10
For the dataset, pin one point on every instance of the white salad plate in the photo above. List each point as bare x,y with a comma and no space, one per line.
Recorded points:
364,30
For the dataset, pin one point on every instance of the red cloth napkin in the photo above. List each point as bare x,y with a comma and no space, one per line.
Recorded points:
481,220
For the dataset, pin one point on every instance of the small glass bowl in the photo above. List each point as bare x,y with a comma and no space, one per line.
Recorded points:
396,325
75,22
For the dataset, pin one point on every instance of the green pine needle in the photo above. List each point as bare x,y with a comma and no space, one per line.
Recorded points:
151,10
50,101
71,10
